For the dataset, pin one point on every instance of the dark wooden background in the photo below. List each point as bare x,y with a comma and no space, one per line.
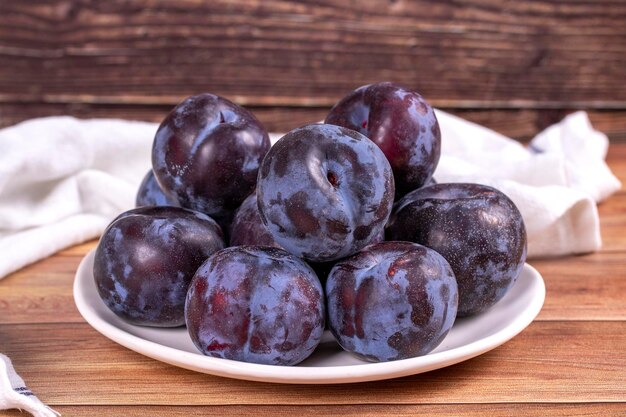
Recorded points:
516,66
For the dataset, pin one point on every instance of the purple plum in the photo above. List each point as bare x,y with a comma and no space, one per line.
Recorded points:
477,228
255,304
401,123
207,152
392,300
324,192
146,259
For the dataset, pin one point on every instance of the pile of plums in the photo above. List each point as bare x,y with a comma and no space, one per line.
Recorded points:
256,248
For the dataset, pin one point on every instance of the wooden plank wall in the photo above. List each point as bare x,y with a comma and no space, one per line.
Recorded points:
516,66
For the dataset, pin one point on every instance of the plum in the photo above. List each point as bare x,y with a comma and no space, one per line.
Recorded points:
150,193
477,228
324,192
398,120
247,227
392,300
146,259
207,152
255,304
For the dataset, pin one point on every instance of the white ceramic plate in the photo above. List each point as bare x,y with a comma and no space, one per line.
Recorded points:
329,364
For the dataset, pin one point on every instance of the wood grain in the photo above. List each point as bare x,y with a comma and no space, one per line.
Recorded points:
584,287
548,362
40,293
616,159
371,410
613,223
474,54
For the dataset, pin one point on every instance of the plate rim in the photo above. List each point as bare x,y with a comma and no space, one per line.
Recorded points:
293,374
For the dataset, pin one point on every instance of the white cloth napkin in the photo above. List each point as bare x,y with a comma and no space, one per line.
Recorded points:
62,180
15,394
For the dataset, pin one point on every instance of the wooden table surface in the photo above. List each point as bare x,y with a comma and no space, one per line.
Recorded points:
514,66
570,361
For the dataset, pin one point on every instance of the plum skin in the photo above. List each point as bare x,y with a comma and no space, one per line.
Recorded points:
391,301
401,123
207,152
324,192
146,259
255,304
247,228
477,228
322,269
150,193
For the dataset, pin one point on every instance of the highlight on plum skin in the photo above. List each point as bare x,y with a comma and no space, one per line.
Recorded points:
324,192
207,152
477,228
255,304
146,259
391,301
